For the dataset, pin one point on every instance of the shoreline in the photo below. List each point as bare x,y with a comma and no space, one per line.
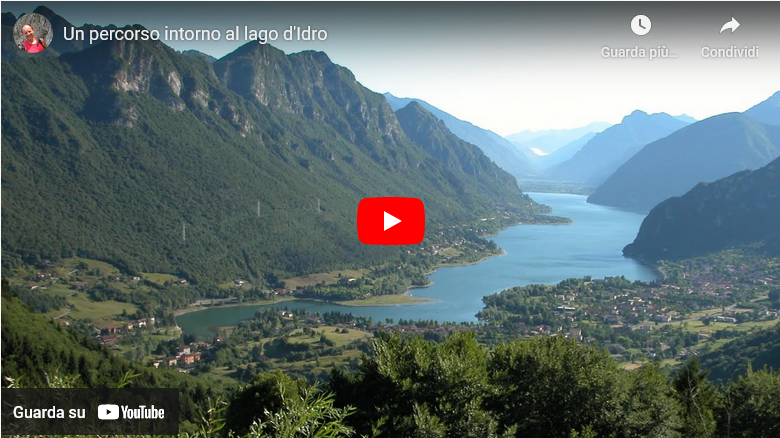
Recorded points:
191,309
352,303
356,303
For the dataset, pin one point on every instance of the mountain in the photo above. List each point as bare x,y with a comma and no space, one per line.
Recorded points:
494,146
475,168
704,151
546,142
758,349
767,111
608,150
198,54
686,118
157,162
741,209
564,153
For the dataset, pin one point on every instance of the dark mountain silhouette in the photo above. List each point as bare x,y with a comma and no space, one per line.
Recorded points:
738,210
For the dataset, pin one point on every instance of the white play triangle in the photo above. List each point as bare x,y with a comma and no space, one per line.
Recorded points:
390,221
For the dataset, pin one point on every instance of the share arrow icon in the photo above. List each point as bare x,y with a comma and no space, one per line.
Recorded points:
733,25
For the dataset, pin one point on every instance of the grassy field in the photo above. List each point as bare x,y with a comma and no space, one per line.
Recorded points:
385,300
450,252
331,332
316,365
158,278
711,344
84,308
327,277
82,271
92,265
699,327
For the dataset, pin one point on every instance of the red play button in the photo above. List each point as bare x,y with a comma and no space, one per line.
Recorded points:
391,221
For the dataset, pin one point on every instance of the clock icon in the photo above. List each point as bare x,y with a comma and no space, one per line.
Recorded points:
640,25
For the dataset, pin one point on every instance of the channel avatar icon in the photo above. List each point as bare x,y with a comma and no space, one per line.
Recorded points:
391,221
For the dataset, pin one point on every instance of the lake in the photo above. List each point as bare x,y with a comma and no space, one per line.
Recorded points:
546,254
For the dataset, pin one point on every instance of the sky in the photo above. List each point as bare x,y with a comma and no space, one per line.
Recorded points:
506,67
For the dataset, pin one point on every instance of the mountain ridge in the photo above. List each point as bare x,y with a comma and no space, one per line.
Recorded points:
704,151
608,150
738,210
141,144
767,111
494,146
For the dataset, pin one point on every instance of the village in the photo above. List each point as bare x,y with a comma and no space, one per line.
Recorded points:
634,321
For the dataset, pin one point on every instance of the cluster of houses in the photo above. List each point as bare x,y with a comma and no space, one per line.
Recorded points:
110,334
185,357
436,247
631,307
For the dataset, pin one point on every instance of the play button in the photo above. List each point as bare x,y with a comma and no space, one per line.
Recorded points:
390,221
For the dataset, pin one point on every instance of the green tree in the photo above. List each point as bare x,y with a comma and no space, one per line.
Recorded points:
698,398
427,388
550,387
305,414
264,392
652,408
752,406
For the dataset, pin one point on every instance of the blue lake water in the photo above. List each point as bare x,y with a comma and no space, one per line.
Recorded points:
546,254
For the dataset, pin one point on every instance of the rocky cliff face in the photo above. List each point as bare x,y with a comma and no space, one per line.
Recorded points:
308,84
131,139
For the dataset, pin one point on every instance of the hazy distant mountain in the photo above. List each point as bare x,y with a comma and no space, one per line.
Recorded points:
549,141
686,118
564,153
741,209
767,111
608,150
493,145
704,151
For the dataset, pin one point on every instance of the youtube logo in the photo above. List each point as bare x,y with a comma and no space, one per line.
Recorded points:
391,221
108,412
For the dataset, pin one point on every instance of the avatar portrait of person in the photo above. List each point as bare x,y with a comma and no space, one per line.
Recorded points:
33,33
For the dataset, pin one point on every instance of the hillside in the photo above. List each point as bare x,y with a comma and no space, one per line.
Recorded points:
704,151
741,209
158,162
35,350
608,150
494,146
755,350
767,111
464,160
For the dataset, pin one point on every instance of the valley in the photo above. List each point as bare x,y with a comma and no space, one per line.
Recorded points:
173,219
